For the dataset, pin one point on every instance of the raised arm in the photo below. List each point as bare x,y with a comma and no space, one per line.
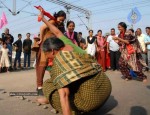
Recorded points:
42,29
53,29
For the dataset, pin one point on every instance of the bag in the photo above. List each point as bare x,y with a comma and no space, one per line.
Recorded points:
130,49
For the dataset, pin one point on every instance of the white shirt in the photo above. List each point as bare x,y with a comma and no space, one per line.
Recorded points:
113,46
141,40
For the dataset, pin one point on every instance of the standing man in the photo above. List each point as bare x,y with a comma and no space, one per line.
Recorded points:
27,49
113,49
81,40
141,38
5,36
18,48
147,42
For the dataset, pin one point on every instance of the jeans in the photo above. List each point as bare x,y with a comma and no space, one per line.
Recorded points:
114,58
27,55
17,58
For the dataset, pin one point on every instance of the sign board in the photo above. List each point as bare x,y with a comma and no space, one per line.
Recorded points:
134,16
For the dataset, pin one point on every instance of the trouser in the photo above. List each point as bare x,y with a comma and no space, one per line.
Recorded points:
148,56
40,71
126,72
17,58
27,55
114,58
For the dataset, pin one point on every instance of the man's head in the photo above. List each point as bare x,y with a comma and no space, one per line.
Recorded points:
52,46
28,35
131,31
80,34
112,31
19,36
138,31
6,31
148,30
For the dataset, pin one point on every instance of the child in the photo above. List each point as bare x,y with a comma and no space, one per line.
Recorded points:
4,62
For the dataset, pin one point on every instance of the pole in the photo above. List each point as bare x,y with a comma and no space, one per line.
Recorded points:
14,7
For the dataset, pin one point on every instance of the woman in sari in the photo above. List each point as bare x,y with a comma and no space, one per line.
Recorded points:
101,50
77,83
131,59
45,33
71,34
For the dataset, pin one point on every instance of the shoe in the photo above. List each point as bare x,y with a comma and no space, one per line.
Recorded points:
40,92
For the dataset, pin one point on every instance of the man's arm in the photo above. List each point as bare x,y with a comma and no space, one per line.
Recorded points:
12,38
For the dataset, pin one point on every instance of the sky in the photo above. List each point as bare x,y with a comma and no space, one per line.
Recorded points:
105,15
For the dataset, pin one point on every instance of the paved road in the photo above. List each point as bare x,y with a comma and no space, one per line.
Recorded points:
127,97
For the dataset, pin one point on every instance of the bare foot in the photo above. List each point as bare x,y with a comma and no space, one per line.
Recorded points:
127,79
42,100
144,80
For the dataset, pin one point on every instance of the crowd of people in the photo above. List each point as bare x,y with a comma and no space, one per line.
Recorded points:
7,45
73,60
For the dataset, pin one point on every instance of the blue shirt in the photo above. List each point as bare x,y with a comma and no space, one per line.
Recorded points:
147,39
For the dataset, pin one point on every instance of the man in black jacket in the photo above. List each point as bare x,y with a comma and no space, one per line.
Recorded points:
18,48
27,49
6,35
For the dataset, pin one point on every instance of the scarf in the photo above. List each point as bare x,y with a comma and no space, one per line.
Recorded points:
71,37
92,40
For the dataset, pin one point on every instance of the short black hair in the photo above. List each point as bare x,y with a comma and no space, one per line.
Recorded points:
147,28
80,33
19,35
28,33
90,31
113,29
131,30
139,29
52,44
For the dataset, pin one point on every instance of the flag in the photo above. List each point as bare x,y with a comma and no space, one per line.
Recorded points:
134,16
1,23
4,19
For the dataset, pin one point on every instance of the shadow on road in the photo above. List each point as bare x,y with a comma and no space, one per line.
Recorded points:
148,86
137,110
109,105
1,90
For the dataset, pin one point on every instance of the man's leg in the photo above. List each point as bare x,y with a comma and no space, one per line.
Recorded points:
64,100
25,58
29,56
148,56
112,63
19,59
15,61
